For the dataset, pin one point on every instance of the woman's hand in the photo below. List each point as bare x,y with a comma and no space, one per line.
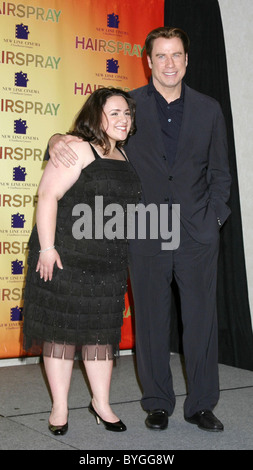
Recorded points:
46,264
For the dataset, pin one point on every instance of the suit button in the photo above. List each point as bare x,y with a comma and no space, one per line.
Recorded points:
166,199
170,178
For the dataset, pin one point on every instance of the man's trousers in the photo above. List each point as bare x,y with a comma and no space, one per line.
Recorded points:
194,268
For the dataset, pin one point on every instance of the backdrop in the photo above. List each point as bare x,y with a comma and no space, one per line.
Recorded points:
207,73
53,55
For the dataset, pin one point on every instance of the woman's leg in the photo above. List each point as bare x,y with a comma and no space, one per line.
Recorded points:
59,371
99,373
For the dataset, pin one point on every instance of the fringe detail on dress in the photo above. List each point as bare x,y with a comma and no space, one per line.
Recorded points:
89,352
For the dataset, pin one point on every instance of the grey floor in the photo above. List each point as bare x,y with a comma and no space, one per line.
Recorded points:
25,405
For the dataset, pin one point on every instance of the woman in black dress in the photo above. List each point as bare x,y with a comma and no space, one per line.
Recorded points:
77,264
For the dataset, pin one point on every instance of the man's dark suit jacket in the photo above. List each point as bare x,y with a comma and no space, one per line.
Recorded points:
199,180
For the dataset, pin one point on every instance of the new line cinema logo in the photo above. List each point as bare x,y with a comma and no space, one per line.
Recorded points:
140,220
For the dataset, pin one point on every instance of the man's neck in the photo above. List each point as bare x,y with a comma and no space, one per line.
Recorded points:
170,93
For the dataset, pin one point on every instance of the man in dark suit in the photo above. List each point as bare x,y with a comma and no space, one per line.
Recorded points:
180,154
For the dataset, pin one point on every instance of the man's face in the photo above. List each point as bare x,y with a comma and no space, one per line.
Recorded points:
168,63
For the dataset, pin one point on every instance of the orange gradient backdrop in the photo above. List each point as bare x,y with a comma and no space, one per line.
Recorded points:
53,55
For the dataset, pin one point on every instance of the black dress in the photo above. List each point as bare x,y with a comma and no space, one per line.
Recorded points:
82,307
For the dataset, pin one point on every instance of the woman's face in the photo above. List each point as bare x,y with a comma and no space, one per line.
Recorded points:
116,118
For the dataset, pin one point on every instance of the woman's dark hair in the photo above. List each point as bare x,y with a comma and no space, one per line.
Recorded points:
167,33
87,124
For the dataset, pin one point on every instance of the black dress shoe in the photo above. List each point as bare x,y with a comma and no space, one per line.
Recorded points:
118,426
157,419
58,430
206,420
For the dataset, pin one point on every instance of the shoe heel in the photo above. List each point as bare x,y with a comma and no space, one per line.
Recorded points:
118,426
92,411
97,419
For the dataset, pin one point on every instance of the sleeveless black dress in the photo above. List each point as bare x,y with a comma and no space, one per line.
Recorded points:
83,304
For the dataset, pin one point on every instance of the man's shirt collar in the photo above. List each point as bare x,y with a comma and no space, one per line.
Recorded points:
152,89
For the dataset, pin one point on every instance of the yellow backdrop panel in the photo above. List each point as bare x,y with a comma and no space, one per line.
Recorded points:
53,55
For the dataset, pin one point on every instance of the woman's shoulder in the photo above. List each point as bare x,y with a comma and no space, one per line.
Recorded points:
79,145
83,151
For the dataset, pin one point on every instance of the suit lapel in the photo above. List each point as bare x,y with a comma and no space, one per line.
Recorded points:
151,118
151,123
187,127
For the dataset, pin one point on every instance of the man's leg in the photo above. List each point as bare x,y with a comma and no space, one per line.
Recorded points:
195,270
150,279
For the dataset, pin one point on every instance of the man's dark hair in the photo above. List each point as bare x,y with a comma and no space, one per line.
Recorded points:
168,33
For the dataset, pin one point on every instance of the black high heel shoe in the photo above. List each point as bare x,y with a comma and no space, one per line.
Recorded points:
116,427
58,430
